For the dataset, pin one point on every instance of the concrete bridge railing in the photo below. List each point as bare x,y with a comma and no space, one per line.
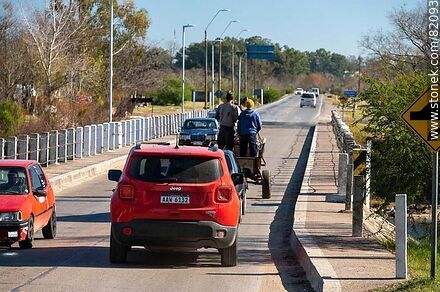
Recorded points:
62,146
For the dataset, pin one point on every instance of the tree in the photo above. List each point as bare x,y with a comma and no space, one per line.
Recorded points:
15,64
53,33
394,75
406,48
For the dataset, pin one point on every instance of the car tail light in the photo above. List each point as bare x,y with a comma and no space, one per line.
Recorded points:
126,192
223,194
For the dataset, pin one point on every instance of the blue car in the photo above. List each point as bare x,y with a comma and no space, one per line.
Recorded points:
199,132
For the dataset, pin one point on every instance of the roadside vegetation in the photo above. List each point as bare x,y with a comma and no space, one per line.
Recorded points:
393,75
54,65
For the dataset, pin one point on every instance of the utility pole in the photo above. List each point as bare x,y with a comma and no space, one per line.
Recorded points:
232,67
183,64
206,68
206,54
110,97
212,75
219,66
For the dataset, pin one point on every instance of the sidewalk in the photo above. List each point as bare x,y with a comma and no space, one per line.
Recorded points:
332,258
64,175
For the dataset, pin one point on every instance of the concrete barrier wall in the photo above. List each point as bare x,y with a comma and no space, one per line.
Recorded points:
61,146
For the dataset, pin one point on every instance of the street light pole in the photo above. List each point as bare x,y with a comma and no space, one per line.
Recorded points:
240,55
110,95
233,60
206,54
183,64
212,75
220,55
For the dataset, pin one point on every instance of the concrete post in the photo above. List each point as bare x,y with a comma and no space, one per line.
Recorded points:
349,189
401,237
79,142
123,128
44,149
342,174
147,129
133,131
118,135
155,131
34,146
93,139
99,138
358,206
71,144
367,175
127,132
106,137
163,123
87,139
62,146
138,130
170,124
2,147
112,136
11,148
23,147
53,147
159,127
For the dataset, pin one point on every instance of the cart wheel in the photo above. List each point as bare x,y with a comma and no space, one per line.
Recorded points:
266,184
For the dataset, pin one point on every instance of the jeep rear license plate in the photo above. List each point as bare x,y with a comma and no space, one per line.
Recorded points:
174,199
197,143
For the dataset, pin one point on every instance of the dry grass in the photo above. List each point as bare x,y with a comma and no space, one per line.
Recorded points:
166,109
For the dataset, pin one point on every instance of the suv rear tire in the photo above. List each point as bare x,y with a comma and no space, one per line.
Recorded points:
229,255
118,252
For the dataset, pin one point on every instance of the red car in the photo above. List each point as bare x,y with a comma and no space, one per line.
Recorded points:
27,203
175,198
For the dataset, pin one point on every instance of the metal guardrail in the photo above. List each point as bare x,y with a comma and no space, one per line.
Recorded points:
61,146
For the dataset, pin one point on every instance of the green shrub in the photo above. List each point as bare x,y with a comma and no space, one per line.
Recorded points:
271,95
11,118
400,160
171,92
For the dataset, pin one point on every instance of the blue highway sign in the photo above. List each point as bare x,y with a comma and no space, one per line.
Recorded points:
350,93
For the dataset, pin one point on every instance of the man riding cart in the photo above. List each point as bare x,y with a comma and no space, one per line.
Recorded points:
251,148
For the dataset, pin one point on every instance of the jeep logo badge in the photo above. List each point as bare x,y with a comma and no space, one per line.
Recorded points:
175,188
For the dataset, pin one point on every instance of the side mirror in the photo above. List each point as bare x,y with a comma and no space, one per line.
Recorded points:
40,193
114,175
237,178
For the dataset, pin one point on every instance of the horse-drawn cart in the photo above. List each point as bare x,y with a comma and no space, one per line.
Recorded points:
251,167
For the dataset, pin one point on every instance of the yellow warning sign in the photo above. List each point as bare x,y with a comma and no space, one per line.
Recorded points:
422,116
359,161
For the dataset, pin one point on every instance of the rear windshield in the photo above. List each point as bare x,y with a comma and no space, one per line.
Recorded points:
175,169
13,180
199,124
308,96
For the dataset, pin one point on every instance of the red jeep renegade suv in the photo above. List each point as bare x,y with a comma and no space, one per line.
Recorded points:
175,197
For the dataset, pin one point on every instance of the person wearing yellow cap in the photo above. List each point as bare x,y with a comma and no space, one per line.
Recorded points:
249,124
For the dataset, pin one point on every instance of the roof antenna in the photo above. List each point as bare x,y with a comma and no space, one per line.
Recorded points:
177,138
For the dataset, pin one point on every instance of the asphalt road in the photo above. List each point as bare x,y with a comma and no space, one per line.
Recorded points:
77,260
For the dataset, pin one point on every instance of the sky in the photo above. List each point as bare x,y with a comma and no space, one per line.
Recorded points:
306,25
